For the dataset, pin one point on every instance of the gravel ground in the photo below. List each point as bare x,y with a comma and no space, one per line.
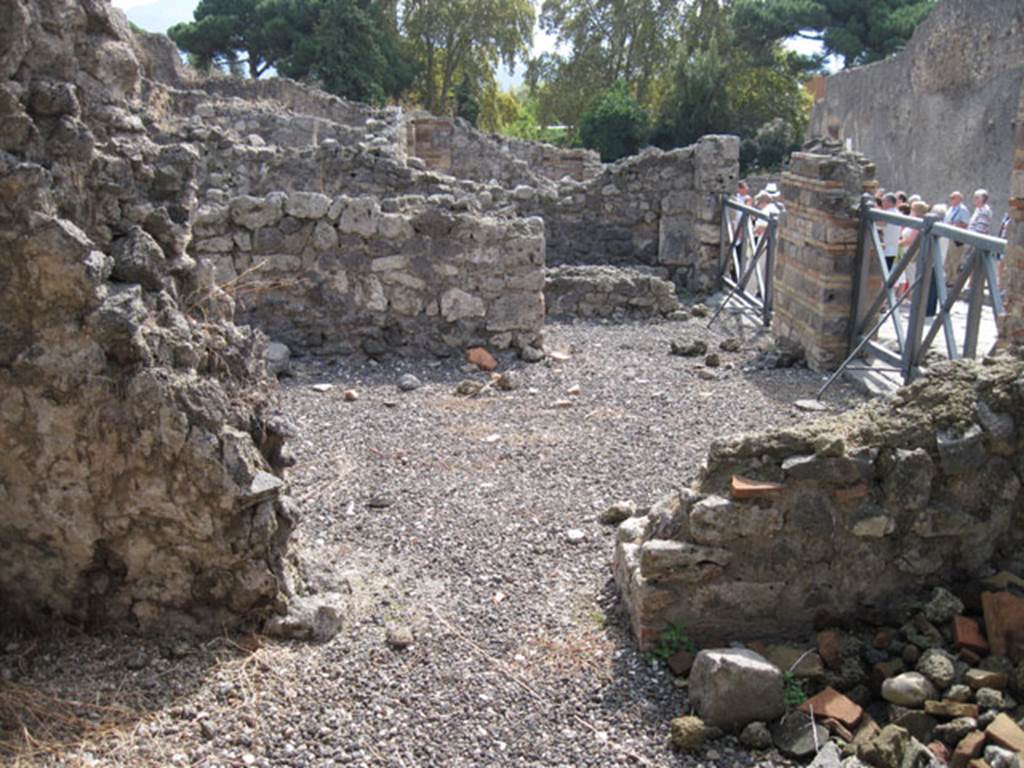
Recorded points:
450,517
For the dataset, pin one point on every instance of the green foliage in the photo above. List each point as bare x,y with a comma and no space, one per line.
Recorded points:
718,86
600,43
255,33
614,124
521,120
456,39
673,640
859,32
354,52
351,47
793,692
466,104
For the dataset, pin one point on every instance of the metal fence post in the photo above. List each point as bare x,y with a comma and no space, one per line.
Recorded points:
862,271
768,300
724,244
975,301
912,352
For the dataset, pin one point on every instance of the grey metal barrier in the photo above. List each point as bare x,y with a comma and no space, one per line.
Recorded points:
746,262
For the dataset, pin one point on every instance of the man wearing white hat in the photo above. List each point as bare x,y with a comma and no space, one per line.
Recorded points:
776,196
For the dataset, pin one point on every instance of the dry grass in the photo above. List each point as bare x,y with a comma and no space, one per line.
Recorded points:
35,724
42,726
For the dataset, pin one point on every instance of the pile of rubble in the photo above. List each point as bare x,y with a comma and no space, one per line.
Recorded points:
939,689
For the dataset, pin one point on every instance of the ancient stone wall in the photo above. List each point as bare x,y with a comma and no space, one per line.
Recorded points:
139,460
816,258
854,515
597,291
336,276
657,208
454,147
940,114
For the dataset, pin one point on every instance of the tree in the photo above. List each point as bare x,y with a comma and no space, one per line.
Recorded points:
350,47
258,34
355,52
456,38
859,32
720,86
607,41
614,124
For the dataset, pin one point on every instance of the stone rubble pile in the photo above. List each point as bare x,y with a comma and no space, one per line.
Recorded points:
940,689
607,292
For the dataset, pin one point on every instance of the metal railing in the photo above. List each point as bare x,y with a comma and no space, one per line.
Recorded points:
931,300
746,262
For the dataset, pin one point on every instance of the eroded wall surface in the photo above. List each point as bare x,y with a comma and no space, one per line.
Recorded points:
454,147
855,516
659,209
139,460
346,274
940,114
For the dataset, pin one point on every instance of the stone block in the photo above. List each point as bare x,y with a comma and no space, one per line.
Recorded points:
680,561
715,521
730,688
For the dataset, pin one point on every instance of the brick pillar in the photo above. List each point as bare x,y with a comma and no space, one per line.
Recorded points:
1011,329
816,260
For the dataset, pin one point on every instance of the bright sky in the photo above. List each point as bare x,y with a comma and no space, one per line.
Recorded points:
158,15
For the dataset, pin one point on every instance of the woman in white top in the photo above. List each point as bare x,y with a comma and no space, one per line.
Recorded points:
908,236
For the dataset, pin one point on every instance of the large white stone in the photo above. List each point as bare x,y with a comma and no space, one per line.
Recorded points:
911,689
731,687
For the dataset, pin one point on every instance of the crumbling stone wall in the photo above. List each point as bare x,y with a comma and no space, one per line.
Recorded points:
660,209
597,291
853,515
921,113
334,276
816,259
139,459
454,147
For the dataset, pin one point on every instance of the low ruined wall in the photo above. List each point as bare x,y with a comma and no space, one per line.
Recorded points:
854,515
940,114
656,208
608,293
454,147
333,276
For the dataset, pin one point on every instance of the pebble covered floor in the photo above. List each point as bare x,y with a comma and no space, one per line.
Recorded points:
470,522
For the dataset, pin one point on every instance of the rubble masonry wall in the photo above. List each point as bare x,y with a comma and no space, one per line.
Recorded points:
658,209
139,453
339,275
858,515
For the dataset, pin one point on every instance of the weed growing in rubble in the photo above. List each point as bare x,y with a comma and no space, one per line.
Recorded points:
793,691
673,640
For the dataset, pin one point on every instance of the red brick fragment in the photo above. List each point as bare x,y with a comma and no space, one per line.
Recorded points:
1004,621
967,634
830,703
745,488
970,747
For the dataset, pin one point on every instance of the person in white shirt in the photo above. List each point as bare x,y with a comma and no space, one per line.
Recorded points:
763,201
890,232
